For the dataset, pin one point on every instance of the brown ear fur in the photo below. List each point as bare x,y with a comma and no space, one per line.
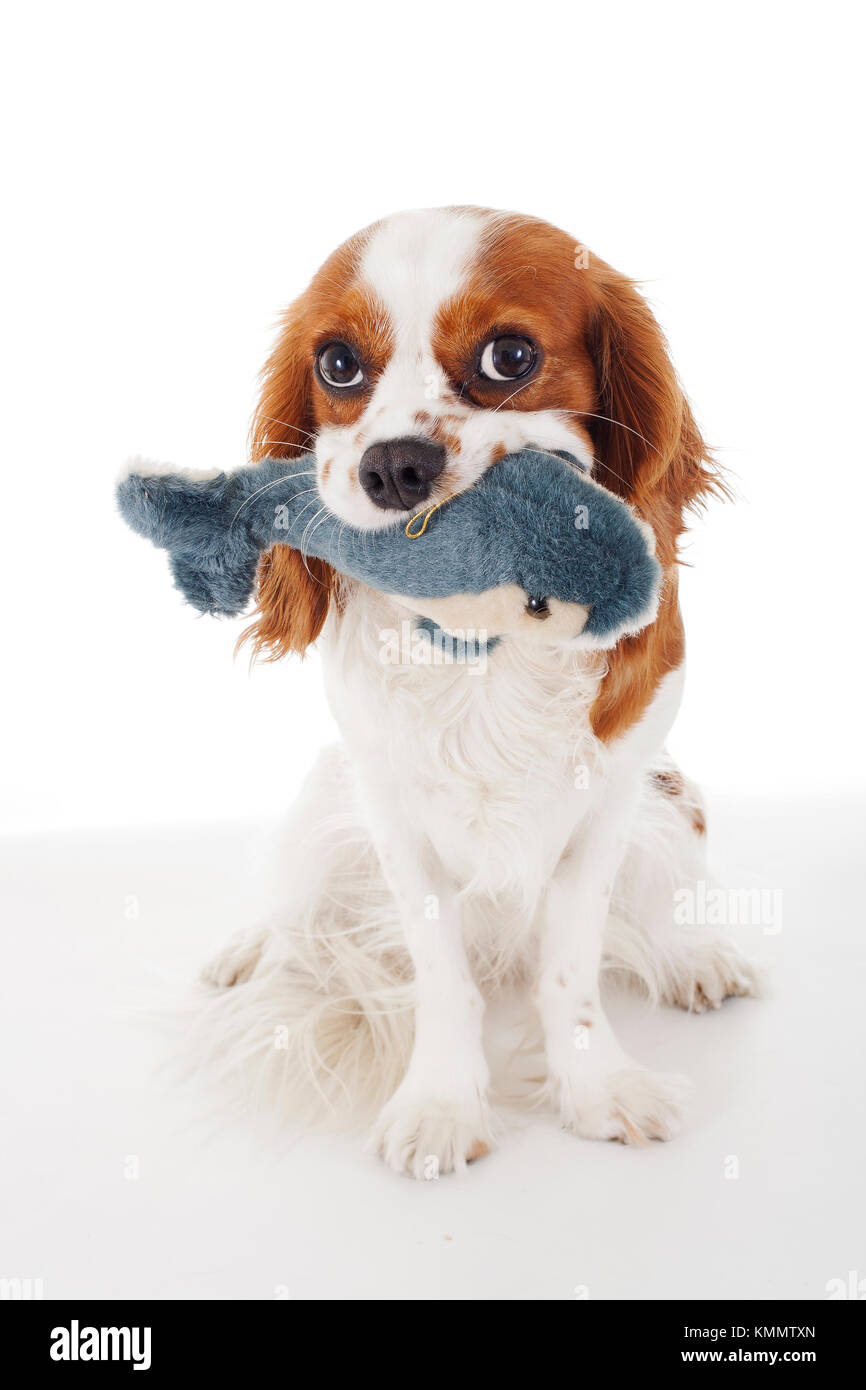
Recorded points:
293,591
649,450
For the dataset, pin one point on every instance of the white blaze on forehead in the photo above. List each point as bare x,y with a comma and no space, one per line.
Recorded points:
414,262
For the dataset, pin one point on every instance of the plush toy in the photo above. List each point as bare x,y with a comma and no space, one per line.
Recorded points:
534,547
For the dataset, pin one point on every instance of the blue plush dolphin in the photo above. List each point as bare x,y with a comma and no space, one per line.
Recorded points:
534,546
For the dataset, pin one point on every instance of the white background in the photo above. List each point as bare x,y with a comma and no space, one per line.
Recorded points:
174,175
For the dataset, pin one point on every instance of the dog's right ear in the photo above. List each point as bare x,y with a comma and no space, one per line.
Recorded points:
293,591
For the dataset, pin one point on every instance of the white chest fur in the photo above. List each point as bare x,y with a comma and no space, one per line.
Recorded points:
493,760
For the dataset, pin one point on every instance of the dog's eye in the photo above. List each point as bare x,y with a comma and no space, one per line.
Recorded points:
339,366
507,359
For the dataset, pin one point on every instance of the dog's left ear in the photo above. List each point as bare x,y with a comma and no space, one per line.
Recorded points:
648,448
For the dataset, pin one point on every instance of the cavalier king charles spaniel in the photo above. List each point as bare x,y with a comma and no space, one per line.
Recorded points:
518,826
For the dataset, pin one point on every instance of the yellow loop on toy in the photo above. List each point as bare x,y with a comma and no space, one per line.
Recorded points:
427,513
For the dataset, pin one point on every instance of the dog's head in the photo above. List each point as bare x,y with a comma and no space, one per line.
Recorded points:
435,342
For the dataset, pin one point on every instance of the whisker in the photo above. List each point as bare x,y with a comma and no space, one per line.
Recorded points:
306,532
340,540
319,513
272,420
300,514
292,444
561,410
511,397
273,483
336,562
304,493
315,528
310,523
591,415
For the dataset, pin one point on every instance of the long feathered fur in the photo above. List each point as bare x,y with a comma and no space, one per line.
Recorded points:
319,1019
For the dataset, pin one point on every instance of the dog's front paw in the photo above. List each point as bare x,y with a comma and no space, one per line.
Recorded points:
425,1139
707,973
631,1105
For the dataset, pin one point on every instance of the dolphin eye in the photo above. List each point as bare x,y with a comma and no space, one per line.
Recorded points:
537,607
507,358
338,366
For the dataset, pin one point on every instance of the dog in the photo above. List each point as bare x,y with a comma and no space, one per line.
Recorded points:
521,827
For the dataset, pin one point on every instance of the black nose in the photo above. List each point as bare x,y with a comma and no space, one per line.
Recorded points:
400,473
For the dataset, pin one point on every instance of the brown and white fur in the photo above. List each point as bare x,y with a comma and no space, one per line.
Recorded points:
471,831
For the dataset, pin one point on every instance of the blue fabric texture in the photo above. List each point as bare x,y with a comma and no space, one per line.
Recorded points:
533,520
